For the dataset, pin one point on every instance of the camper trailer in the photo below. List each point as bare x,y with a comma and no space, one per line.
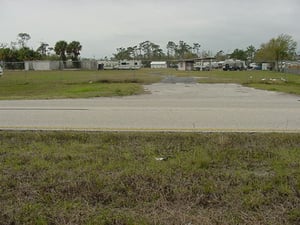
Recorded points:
119,65
107,65
129,65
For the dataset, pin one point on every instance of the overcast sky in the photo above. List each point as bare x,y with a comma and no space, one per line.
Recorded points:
102,26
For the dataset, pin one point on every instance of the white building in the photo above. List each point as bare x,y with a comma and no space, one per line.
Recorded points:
158,65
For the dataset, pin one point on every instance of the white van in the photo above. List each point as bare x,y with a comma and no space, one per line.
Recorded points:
1,71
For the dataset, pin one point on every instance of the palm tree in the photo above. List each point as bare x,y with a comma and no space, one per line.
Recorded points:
60,49
73,49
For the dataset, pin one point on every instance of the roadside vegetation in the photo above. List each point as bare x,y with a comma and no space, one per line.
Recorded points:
149,178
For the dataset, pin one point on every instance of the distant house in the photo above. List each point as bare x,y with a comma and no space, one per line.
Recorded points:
43,65
158,65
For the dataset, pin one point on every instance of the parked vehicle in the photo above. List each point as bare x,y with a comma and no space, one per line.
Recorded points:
233,65
253,66
202,66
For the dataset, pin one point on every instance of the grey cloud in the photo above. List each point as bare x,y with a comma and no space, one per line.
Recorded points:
102,26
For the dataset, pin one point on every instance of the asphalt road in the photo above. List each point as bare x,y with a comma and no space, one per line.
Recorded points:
171,106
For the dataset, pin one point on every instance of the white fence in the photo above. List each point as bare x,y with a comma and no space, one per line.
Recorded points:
50,65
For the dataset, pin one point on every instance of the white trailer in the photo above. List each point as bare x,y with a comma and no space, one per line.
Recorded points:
158,65
129,65
107,65
119,65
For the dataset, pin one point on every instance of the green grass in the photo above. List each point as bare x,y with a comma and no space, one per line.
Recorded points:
115,179
85,84
72,84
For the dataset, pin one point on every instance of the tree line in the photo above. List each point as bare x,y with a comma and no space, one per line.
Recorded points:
148,50
18,51
275,50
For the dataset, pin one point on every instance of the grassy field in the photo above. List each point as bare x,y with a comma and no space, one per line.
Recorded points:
72,84
85,84
116,178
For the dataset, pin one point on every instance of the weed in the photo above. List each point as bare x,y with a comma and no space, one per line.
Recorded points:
114,178
294,215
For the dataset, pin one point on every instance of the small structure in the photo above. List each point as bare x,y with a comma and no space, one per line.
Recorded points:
204,63
43,65
186,64
158,65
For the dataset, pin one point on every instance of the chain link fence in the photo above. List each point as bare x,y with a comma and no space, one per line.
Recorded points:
287,67
13,65
292,67
50,65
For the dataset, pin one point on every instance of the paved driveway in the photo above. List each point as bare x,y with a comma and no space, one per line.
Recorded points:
168,106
